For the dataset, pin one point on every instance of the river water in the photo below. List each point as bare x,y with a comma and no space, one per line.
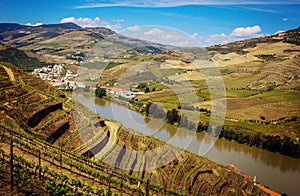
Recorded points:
279,172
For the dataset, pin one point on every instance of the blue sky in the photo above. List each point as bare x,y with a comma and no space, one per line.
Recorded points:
209,21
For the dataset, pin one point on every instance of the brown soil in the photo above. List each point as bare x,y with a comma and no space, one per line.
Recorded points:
210,179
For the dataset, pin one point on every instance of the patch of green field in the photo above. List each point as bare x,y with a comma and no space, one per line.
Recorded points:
182,99
257,84
199,83
190,98
279,96
204,95
144,58
240,93
158,86
52,45
270,129
196,116
239,80
173,100
159,72
155,70
297,88
2,78
226,71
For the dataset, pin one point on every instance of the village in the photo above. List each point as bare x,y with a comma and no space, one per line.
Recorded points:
58,76
64,79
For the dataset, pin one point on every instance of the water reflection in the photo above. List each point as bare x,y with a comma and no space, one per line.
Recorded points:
275,170
100,102
258,155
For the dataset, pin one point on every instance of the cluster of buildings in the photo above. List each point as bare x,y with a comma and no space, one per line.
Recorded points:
58,76
61,78
114,91
49,72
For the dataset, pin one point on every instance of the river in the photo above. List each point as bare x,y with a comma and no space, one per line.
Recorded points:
280,172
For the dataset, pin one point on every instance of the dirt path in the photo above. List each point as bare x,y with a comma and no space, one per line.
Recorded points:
10,73
113,128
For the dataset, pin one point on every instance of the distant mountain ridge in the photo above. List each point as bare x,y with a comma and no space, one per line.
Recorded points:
15,26
9,27
68,25
66,39
290,36
17,35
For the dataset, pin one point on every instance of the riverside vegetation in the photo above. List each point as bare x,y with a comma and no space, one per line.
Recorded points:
43,153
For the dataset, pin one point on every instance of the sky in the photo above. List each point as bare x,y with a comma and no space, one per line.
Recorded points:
207,21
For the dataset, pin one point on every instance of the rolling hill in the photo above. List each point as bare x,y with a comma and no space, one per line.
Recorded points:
49,156
261,82
266,66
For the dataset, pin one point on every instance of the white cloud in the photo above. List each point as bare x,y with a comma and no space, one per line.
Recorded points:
34,25
163,35
216,38
194,35
237,34
134,28
285,19
89,22
245,31
173,3
154,32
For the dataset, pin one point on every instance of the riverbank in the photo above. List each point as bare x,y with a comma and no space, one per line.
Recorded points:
146,157
277,171
272,143
232,168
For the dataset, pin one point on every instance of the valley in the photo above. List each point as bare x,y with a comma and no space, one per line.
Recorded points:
62,169
246,92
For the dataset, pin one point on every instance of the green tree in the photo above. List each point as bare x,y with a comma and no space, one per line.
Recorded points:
201,127
173,116
147,109
155,111
100,92
142,85
147,90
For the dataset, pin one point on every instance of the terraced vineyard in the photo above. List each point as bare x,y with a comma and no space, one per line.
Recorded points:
97,157
34,105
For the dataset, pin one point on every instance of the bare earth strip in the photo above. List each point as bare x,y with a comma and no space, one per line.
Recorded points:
10,73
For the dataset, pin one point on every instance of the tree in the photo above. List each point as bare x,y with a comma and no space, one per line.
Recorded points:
142,85
173,116
100,92
147,90
155,111
147,109
201,127
184,121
